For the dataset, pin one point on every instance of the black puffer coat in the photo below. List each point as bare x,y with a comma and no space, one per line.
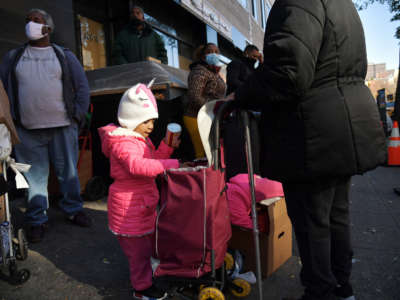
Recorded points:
237,73
319,120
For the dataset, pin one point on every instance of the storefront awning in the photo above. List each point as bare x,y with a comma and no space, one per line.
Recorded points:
117,79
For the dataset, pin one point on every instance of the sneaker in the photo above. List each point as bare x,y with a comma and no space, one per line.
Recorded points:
80,219
345,292
35,233
152,293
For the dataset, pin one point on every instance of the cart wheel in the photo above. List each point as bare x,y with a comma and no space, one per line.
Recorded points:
20,277
241,288
22,250
211,293
229,262
95,189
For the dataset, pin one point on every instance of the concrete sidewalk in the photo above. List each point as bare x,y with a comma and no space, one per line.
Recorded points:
78,263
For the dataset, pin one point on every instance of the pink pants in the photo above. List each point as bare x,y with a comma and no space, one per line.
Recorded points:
138,250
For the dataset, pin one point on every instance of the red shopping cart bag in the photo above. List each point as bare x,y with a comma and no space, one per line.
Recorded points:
193,226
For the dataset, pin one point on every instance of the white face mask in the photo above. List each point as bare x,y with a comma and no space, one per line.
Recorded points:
34,31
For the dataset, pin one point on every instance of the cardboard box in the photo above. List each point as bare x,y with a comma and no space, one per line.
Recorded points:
275,242
5,115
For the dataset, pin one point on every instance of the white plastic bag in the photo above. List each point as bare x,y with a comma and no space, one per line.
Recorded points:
5,142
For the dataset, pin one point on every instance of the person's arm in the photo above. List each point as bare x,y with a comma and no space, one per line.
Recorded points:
291,47
81,86
197,82
130,156
161,52
233,75
5,68
118,57
163,151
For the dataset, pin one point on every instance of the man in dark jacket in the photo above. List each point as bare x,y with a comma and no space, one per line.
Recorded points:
320,125
239,70
49,98
137,41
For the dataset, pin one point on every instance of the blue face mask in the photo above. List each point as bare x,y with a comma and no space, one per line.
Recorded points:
213,60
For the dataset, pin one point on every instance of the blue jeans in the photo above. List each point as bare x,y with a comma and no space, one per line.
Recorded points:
39,147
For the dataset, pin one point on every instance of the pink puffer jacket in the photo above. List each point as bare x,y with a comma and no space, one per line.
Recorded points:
134,164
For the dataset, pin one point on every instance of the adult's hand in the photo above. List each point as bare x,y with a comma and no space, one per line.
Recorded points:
230,97
260,58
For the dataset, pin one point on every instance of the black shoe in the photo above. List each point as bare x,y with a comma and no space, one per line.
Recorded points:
345,292
152,293
35,233
397,190
80,219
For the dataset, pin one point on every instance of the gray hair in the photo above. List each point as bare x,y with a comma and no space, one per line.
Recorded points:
46,17
138,7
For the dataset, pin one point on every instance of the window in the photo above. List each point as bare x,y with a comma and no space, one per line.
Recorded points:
171,44
93,44
254,8
262,5
212,36
267,9
238,38
243,3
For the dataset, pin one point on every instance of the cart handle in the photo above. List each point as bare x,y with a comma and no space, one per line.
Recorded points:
226,107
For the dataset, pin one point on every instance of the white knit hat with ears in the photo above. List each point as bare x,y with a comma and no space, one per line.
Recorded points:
137,105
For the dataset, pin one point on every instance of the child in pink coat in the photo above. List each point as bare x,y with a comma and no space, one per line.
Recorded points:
133,196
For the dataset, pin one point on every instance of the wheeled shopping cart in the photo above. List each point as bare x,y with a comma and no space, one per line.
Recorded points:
193,227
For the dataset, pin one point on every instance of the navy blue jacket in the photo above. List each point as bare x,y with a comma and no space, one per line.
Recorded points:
76,93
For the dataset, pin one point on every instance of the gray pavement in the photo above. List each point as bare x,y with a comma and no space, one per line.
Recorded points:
86,263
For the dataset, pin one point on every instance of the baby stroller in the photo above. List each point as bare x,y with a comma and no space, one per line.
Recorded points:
11,247
193,227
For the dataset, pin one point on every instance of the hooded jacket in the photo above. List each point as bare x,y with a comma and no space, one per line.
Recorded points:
319,119
76,93
203,86
131,46
134,165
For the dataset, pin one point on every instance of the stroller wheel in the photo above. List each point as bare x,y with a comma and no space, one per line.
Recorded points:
20,277
229,262
210,293
240,288
22,249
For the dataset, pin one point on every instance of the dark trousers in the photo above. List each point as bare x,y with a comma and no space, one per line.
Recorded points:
319,212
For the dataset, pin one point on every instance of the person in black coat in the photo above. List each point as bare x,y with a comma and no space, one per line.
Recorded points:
240,69
320,125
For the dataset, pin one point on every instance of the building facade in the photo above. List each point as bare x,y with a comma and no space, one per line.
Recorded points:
89,28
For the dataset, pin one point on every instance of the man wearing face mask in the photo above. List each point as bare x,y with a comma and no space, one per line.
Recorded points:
137,41
49,98
239,70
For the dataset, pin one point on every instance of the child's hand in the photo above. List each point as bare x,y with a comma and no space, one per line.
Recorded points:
187,164
175,143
